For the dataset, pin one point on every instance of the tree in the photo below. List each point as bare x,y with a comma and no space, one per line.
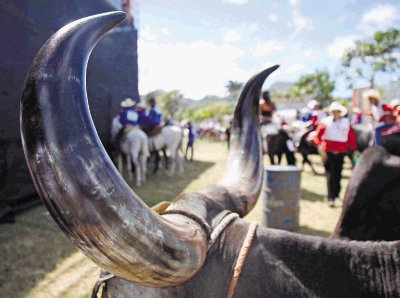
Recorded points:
317,84
372,56
170,102
233,89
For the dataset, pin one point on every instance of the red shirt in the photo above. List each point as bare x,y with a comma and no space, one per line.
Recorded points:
335,136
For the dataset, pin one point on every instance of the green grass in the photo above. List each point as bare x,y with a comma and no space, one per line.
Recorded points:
39,261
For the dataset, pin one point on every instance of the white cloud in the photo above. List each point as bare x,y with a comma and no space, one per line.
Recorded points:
337,47
196,68
294,68
301,22
165,31
147,34
273,18
379,18
232,36
308,52
294,2
266,47
236,2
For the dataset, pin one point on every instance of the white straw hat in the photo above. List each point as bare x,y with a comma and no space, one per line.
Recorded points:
337,106
395,102
371,93
312,103
127,102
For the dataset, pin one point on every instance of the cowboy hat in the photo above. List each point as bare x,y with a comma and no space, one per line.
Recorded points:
312,104
395,102
140,104
127,102
336,106
371,93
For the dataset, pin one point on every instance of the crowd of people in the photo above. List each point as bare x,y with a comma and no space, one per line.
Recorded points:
135,114
331,131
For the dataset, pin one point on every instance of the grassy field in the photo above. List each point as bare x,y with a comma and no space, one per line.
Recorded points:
39,261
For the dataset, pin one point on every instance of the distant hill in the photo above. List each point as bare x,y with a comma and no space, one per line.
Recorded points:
279,87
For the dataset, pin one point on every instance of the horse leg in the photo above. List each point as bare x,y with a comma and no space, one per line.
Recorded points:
306,160
143,166
138,169
129,167
156,161
174,160
119,162
279,158
271,158
164,151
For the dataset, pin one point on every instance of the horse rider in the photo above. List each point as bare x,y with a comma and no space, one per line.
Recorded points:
334,135
154,118
317,114
267,108
385,122
127,118
143,119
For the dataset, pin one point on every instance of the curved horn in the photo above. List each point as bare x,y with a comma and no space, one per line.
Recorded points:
77,181
244,173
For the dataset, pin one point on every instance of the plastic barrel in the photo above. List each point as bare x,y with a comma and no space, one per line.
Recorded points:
280,197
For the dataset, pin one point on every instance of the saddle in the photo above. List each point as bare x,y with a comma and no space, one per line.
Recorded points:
151,130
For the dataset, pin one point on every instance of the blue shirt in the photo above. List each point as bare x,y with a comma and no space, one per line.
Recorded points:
154,116
143,120
128,116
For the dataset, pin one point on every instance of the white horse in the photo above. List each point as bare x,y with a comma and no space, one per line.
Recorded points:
134,145
169,138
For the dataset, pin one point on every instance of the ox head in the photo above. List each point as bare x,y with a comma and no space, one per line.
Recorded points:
84,192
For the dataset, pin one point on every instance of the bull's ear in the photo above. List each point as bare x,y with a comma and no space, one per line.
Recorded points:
244,170
77,181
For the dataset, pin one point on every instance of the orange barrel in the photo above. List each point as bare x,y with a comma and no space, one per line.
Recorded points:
280,197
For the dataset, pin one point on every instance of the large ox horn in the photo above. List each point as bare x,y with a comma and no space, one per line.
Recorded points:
242,181
77,181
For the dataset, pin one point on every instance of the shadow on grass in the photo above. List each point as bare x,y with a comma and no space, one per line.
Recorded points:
311,196
160,187
34,245
306,230
30,247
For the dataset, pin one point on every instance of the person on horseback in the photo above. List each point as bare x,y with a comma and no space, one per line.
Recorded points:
154,119
317,114
127,118
267,108
386,121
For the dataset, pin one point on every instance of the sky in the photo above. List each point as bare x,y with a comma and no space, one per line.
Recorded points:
196,47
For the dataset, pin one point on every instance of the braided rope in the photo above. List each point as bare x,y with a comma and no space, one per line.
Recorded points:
241,258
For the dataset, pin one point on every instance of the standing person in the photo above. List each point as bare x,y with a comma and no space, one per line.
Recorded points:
267,108
191,137
334,136
375,111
